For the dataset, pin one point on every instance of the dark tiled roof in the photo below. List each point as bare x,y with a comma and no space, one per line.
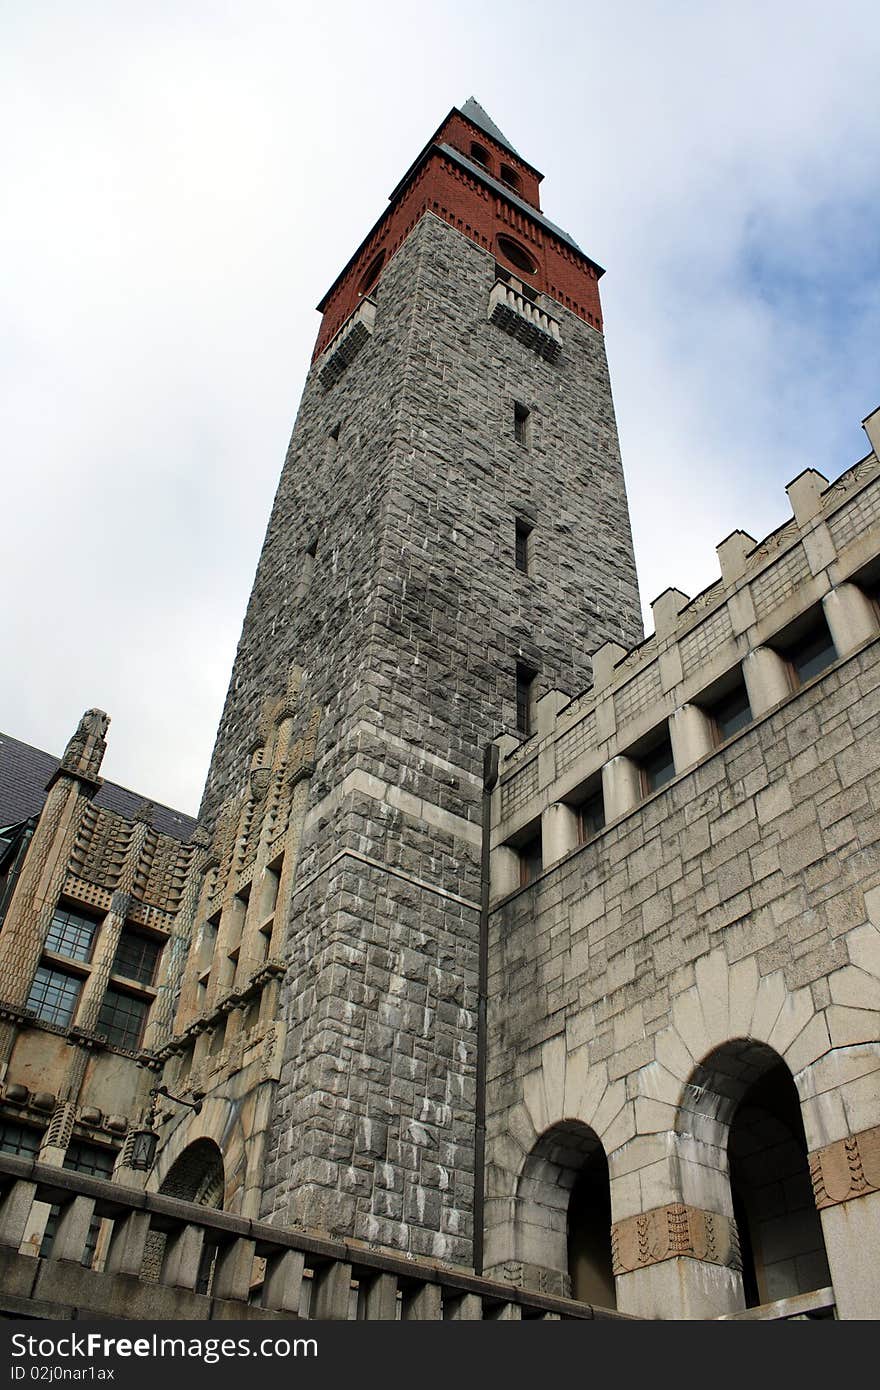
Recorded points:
25,773
475,113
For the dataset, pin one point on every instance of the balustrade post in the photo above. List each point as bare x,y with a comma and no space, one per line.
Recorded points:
467,1308
234,1268
331,1294
424,1303
182,1259
380,1299
15,1212
282,1282
73,1230
128,1243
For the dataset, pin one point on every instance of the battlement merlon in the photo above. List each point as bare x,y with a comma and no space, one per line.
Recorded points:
824,559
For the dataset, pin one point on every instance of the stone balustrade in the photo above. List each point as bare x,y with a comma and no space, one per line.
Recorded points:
216,1265
525,319
348,341
807,565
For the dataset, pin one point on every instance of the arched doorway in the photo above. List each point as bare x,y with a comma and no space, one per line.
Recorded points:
196,1175
563,1216
748,1092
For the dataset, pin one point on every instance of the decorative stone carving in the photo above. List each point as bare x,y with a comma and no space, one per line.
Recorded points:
85,751
260,778
848,1169
538,1278
666,1233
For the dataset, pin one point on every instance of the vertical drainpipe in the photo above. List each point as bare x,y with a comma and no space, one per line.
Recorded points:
490,777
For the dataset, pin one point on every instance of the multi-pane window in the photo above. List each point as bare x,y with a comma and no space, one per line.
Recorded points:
71,934
522,546
92,1159
19,1139
137,957
54,995
658,766
122,1019
525,680
521,423
591,817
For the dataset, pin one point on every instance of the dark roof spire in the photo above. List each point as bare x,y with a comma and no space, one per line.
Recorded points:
475,113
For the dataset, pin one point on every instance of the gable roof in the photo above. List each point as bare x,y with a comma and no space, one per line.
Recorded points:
25,772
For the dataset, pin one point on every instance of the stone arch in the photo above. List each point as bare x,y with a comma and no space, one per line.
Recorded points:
562,1215
741,1113
220,1123
197,1175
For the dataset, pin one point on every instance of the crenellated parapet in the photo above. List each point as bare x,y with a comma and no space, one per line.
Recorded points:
783,609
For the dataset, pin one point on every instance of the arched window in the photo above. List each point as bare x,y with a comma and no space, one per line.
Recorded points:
479,154
510,177
516,255
747,1104
371,274
563,1215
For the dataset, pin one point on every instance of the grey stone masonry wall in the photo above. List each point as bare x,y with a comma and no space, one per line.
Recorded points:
408,636
730,917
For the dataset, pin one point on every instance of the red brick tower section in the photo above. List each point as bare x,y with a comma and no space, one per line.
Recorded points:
468,175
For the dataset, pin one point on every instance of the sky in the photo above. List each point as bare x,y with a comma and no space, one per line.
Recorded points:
181,182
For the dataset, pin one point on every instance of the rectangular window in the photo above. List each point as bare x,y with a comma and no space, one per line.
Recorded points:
92,1159
812,655
521,423
54,995
658,767
19,1139
522,546
525,681
531,861
137,957
71,934
122,1019
731,713
591,818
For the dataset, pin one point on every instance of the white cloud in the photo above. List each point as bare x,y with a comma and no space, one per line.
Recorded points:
182,182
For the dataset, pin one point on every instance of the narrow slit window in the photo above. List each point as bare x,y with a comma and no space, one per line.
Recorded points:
521,415
523,546
525,685
307,570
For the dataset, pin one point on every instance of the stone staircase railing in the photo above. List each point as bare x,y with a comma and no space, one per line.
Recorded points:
249,1269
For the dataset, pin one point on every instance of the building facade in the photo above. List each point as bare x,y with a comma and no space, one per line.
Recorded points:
505,941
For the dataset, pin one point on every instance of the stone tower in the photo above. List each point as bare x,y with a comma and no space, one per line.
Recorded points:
449,542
